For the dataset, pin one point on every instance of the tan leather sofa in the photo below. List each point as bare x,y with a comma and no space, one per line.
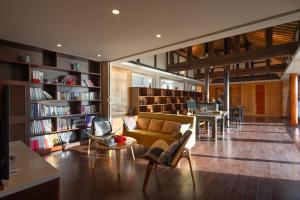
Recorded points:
147,137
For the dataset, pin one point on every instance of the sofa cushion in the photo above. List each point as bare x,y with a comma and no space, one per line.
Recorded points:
171,128
143,123
130,122
156,125
146,135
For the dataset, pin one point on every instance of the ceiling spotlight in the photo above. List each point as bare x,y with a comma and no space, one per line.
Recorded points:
115,11
59,45
158,35
99,55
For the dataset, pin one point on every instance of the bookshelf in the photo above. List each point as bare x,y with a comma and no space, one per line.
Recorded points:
53,81
161,100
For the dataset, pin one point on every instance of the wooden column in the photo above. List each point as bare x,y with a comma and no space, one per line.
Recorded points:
206,98
226,92
294,99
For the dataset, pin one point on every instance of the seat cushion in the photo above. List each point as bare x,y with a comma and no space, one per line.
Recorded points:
156,125
148,137
171,128
143,123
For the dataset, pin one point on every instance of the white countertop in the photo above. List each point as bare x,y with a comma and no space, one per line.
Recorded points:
32,170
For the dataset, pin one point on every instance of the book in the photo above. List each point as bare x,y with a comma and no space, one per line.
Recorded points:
37,94
40,126
88,109
41,110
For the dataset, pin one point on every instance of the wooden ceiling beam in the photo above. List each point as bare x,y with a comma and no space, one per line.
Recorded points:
247,72
250,78
250,55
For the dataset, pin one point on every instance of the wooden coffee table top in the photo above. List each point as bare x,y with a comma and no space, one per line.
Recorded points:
128,143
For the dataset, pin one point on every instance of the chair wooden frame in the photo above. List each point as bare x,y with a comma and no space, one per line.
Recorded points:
182,152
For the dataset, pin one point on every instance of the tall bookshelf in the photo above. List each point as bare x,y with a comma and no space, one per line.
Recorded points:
78,97
159,100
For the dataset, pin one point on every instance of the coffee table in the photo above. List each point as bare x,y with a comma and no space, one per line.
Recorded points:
128,144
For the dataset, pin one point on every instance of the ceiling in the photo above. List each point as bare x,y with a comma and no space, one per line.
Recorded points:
87,28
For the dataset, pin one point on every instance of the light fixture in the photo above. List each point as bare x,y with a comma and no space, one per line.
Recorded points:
99,55
158,35
59,45
115,11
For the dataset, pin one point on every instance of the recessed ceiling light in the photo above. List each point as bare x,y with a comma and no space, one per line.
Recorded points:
115,11
99,55
59,45
158,35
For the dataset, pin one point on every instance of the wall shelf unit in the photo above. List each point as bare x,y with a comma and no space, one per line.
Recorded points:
161,100
51,80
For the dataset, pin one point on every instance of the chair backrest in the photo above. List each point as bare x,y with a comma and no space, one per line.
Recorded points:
101,126
182,142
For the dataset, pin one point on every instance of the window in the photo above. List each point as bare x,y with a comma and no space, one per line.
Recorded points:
170,84
139,80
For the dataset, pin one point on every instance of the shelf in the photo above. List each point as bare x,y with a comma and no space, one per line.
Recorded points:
14,62
63,116
65,85
60,147
54,132
57,101
61,69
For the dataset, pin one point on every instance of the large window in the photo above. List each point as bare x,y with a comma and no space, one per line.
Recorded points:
139,80
170,84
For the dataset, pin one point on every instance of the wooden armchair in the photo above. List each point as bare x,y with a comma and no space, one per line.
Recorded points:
160,153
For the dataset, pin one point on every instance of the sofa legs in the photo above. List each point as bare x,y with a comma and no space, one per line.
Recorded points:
147,175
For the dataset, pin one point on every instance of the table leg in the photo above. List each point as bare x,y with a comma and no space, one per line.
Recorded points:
132,153
197,126
207,127
214,129
118,159
223,125
94,158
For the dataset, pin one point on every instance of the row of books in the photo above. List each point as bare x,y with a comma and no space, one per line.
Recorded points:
77,95
47,141
68,79
37,75
41,110
87,109
40,126
63,124
39,94
87,83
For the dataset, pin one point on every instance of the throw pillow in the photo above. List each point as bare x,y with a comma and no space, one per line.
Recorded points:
143,123
184,128
156,125
171,127
130,122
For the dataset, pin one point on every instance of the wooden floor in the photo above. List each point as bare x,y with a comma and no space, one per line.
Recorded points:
259,161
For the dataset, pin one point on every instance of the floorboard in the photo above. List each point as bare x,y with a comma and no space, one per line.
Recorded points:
260,160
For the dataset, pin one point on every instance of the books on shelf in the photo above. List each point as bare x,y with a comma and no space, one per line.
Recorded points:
68,79
67,137
40,110
44,141
77,123
40,126
87,83
87,109
37,75
39,94
64,124
76,95
48,141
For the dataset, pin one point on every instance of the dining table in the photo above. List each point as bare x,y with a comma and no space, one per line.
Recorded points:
211,117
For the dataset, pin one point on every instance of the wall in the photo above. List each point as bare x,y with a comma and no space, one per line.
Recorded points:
276,96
